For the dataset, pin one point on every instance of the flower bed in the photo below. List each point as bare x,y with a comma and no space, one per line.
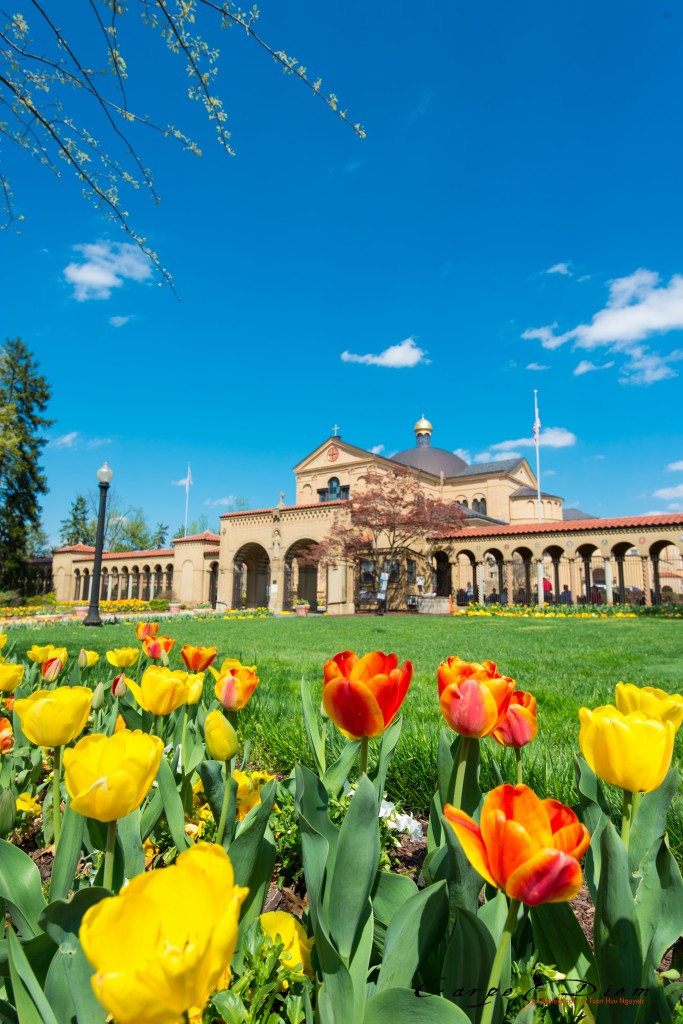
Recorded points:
131,767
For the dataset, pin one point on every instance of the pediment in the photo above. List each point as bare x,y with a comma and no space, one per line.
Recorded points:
333,453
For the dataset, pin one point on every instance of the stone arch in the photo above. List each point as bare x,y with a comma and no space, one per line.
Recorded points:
169,580
115,581
146,583
496,590
667,572
104,584
213,584
186,580
158,579
465,564
556,553
300,575
77,584
592,576
135,582
85,592
479,504
251,577
442,578
521,559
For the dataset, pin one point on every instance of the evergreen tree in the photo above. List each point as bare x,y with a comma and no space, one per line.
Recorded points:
24,394
158,538
77,527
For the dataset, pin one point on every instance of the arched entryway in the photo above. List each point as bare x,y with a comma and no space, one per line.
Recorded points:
213,584
442,574
521,576
494,577
251,577
300,575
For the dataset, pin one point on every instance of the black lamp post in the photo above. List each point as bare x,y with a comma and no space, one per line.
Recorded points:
104,475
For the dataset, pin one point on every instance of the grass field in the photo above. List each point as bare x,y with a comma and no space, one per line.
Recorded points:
565,663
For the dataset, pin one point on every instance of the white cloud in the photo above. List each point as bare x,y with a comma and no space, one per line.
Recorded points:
676,466
585,366
406,354
65,441
182,483
655,512
551,437
119,321
537,366
560,268
103,266
675,506
639,307
497,456
668,493
229,499
549,472
377,449
463,454
97,442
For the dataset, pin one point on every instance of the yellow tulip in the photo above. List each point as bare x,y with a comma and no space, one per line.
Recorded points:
40,654
632,751
10,677
107,777
51,718
221,738
161,691
667,707
284,927
3,640
195,687
123,657
86,659
184,923
27,804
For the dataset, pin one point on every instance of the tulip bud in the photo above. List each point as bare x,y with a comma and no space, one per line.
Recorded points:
163,658
83,658
98,697
51,669
119,687
221,738
8,811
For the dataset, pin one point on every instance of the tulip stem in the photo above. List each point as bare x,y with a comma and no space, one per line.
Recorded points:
153,730
108,877
364,756
631,801
499,959
183,741
518,759
323,739
463,751
224,808
56,793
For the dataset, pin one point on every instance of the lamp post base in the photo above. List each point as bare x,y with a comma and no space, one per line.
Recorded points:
92,618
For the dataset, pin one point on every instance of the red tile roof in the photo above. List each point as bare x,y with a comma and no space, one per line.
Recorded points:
282,508
128,555
564,526
207,535
74,547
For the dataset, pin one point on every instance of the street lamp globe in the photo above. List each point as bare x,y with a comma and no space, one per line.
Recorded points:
104,474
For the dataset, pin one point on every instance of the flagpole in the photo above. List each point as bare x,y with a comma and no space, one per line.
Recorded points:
187,498
537,440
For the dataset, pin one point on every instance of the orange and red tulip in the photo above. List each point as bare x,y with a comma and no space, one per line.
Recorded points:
362,696
197,659
528,847
235,683
6,736
520,725
51,669
144,630
156,646
474,697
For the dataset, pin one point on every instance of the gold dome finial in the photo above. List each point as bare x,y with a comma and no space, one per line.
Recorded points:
423,432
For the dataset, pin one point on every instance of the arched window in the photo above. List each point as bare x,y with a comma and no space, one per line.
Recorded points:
463,502
334,488
479,505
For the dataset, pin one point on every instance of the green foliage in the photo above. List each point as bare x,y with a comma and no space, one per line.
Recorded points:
77,528
24,395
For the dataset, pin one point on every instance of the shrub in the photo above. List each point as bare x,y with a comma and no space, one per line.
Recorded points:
158,604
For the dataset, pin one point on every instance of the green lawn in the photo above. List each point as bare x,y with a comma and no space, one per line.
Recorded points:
564,663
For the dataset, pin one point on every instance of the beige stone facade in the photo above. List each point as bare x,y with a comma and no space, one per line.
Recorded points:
501,552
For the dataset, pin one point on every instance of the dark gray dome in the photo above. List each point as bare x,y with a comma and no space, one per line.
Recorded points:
431,460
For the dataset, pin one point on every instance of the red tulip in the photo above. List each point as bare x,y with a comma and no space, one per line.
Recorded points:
362,696
520,725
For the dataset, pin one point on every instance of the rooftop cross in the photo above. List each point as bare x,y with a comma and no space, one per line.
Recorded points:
335,429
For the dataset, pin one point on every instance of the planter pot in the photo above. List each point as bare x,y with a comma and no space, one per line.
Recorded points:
81,612
302,609
174,608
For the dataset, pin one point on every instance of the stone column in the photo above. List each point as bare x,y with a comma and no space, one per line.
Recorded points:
620,578
509,581
656,586
647,586
109,587
130,585
479,590
540,576
609,596
152,581
573,580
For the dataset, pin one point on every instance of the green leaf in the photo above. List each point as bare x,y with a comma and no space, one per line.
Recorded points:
355,868
39,953
131,842
446,754
247,842
649,825
560,941
389,893
212,774
414,931
21,888
594,813
70,968
659,902
173,807
68,853
404,1006
313,734
464,883
467,965
617,942
31,1002
390,738
259,880
319,838
336,775
153,809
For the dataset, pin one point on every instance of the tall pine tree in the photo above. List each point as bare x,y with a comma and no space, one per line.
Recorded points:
77,528
24,394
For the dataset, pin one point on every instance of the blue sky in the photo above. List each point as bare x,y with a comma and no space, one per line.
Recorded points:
512,221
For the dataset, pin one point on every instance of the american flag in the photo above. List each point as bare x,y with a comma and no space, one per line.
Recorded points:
537,423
